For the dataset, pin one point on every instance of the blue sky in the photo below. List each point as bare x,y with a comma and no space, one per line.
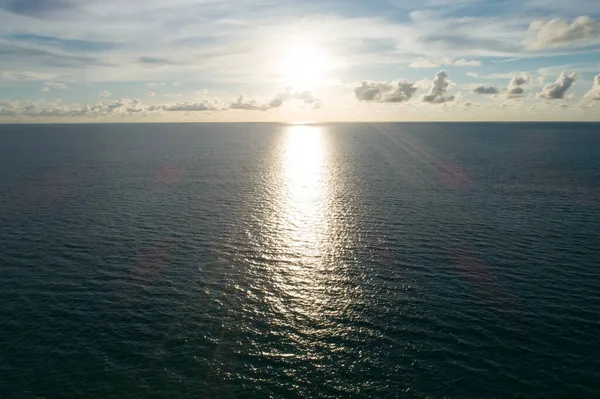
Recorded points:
237,60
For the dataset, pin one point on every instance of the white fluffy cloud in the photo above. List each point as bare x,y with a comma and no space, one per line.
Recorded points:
439,89
515,86
385,92
557,90
104,93
403,90
558,32
592,97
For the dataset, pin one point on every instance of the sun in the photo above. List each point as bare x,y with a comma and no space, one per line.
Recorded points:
304,67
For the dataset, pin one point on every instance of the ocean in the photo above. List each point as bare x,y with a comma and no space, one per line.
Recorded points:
415,260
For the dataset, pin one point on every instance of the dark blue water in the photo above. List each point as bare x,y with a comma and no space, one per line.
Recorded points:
264,260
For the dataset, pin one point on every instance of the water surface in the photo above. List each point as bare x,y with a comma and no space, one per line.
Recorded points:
264,260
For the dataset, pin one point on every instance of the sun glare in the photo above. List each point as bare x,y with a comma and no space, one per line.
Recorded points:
304,67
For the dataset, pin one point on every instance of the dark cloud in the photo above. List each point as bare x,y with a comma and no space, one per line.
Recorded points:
38,8
385,92
486,90
154,61
439,89
515,92
557,90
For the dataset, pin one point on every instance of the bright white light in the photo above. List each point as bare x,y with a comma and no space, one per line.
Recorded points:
304,67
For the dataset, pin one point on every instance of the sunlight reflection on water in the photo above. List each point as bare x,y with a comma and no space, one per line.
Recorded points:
310,274
304,192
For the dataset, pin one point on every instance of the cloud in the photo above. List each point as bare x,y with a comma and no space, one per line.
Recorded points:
56,85
10,104
204,105
307,97
515,89
558,32
64,43
472,74
463,62
53,85
249,105
385,92
154,61
486,90
26,75
124,106
9,108
28,56
57,109
558,89
427,63
278,100
424,64
592,97
104,93
438,91
150,94
37,8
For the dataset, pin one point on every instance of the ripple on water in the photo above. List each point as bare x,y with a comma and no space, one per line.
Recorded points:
359,260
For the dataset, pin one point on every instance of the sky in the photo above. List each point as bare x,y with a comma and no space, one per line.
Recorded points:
299,61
